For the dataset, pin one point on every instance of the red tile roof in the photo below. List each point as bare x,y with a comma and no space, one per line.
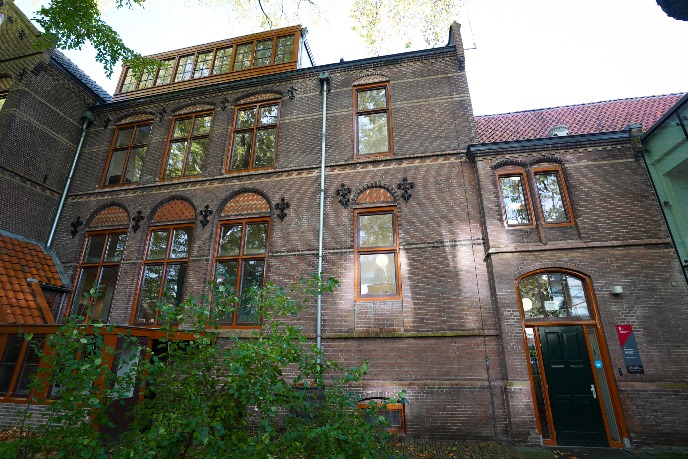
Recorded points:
19,261
612,115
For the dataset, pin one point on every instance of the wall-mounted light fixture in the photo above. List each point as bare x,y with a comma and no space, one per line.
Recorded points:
616,290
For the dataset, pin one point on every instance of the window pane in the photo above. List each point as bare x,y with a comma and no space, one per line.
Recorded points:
174,283
537,382
376,230
9,362
182,128
129,82
115,247
243,56
114,174
263,53
124,137
146,80
180,243
196,157
227,273
87,280
94,250
373,134
265,148
142,133
165,73
378,274
549,192
252,277
230,241
285,49
268,115
553,295
514,201
185,68
157,247
241,151
203,64
175,160
256,238
202,125
150,294
372,99
135,165
106,289
29,368
223,57
246,118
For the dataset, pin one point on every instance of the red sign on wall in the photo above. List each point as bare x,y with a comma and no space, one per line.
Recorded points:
629,348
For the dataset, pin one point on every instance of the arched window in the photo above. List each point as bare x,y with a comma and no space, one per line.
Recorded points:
554,295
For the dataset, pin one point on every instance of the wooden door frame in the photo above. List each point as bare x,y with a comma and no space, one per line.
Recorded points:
596,324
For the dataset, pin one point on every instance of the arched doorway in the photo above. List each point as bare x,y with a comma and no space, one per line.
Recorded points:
570,370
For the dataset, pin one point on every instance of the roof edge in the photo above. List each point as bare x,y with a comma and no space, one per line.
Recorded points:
662,119
48,251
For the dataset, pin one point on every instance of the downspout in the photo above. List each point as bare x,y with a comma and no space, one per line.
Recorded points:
87,118
324,89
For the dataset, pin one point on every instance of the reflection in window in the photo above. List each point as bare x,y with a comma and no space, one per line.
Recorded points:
186,152
185,68
553,295
373,130
376,253
514,200
537,383
285,49
99,268
20,361
128,152
240,264
393,413
242,60
203,64
223,59
164,271
263,53
255,137
550,197
165,73
130,81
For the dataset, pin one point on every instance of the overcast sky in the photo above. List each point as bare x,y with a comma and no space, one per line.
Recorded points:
528,53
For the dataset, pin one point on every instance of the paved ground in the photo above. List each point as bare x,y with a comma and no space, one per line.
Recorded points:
495,450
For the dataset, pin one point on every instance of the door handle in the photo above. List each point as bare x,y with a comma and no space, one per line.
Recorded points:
592,389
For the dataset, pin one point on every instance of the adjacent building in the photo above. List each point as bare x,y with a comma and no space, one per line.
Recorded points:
489,266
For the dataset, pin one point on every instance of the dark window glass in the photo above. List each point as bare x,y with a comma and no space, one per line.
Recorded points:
255,137
550,197
126,157
187,148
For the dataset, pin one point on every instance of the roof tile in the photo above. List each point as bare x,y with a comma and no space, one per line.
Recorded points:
611,115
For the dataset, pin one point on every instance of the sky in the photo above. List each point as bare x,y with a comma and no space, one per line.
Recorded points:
520,55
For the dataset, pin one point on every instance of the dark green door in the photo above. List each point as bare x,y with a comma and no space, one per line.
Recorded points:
571,387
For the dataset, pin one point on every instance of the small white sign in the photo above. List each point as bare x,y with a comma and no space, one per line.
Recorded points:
552,305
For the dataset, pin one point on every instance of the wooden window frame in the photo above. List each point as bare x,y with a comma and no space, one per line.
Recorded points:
254,131
516,172
164,262
240,259
387,110
189,138
99,265
21,362
556,169
129,147
381,405
376,250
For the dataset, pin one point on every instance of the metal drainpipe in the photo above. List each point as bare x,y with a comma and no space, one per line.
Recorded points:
87,118
324,89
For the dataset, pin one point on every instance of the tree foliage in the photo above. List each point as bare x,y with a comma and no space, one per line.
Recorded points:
382,24
269,394
677,9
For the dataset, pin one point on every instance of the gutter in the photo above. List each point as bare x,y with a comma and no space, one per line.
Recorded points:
325,84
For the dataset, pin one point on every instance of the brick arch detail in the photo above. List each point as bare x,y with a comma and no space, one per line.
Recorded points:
257,97
370,79
375,193
570,265
509,162
173,209
108,215
247,202
193,109
135,118
546,159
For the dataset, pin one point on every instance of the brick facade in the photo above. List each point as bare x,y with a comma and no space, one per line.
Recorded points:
454,338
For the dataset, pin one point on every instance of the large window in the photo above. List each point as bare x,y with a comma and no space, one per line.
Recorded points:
553,295
393,413
377,253
240,263
164,271
549,192
126,154
254,141
372,120
99,268
187,145
19,363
